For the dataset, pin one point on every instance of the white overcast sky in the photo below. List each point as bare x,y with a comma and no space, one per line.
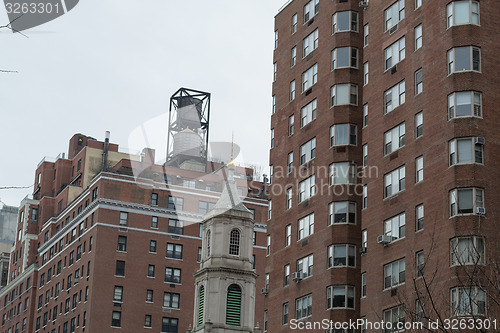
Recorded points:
113,65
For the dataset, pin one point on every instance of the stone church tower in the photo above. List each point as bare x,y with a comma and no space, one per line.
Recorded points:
225,282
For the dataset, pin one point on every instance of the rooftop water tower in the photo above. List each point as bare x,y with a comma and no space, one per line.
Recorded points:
187,139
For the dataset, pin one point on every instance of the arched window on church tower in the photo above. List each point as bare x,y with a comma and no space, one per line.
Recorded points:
208,242
234,242
201,305
233,305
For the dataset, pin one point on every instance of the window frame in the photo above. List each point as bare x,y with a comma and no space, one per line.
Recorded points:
349,296
310,43
476,109
353,21
452,60
397,132
401,186
305,226
399,89
396,6
454,197
348,260
476,152
306,266
397,48
352,57
451,14
401,274
396,227
352,94
309,77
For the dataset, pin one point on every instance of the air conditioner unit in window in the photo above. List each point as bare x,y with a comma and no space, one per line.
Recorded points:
477,110
478,140
480,210
394,69
393,29
264,291
363,3
297,276
362,250
384,239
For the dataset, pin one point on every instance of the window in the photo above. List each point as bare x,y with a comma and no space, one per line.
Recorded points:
365,35
365,115
154,222
311,9
152,246
172,275
365,155
171,300
272,137
308,113
147,321
309,77
365,73
465,201
467,251
394,97
305,265
289,197
307,188
234,242
343,57
292,90
201,306
268,245
418,3
175,227
394,182
118,295
151,270
419,263
286,275
120,268
149,295
418,37
306,226
122,244
288,235
154,199
294,23
340,297
310,43
343,134
233,305
465,151
419,124
394,14
342,173
208,242
303,307
464,104
341,255
276,39
274,104
463,59
419,86
363,285
270,206
345,21
394,273
116,319
395,227
466,301
265,321
419,169
462,12
419,211
365,196
290,162
341,212
123,218
308,151
395,316
285,313
198,256
275,70
169,325
175,203
344,94
204,207
174,251
394,53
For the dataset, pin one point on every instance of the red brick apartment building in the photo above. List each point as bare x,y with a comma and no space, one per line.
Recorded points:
384,155
110,241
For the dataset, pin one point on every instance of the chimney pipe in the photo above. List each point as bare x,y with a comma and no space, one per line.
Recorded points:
105,152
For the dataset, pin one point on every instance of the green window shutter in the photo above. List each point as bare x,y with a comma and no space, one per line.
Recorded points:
233,305
201,306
